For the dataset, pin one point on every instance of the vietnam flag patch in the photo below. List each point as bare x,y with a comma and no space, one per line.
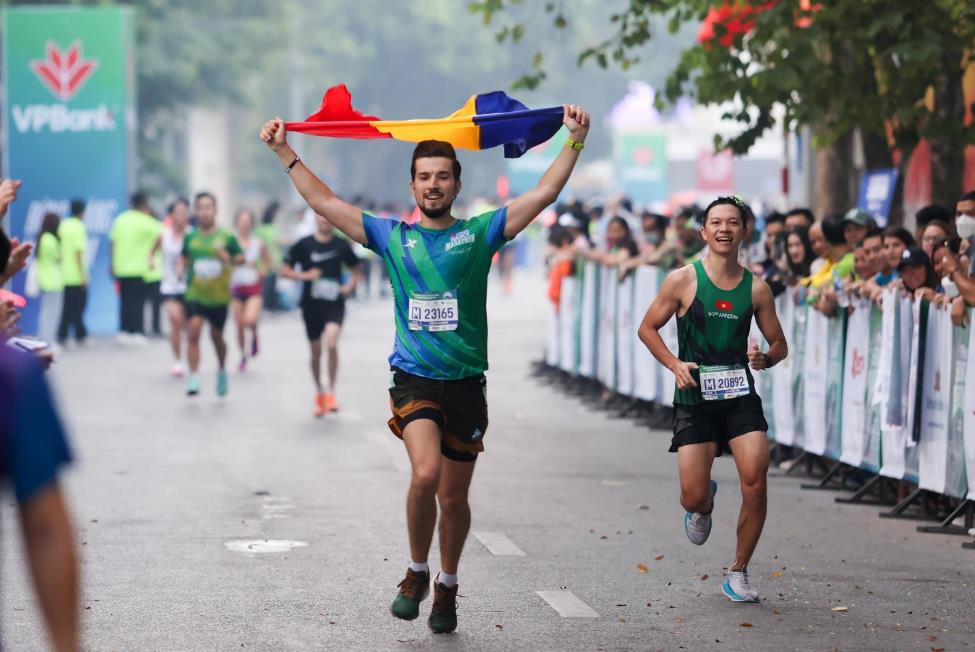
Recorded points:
724,306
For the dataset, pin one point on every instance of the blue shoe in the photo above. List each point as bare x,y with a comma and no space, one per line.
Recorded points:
698,526
737,588
221,383
192,385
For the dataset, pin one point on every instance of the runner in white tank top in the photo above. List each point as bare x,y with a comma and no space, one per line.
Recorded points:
172,286
246,284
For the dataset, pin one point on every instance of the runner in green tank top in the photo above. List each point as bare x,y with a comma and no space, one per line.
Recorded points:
716,409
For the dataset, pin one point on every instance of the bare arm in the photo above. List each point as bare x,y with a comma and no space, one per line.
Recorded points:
354,279
344,217
526,208
152,252
768,322
663,308
287,271
49,540
181,267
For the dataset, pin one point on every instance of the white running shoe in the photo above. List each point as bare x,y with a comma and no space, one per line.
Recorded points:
139,339
178,370
698,526
123,338
737,588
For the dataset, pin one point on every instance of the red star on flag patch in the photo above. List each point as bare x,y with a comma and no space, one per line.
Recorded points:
724,306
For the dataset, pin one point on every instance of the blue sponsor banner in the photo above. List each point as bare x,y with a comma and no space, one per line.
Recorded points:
69,85
877,192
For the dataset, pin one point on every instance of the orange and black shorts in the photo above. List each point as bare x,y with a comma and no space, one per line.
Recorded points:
458,407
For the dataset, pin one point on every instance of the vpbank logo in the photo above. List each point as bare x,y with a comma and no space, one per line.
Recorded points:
64,72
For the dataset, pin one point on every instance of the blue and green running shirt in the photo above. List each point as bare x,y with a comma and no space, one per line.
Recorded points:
439,280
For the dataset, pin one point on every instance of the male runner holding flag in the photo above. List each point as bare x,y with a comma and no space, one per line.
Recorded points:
439,271
716,409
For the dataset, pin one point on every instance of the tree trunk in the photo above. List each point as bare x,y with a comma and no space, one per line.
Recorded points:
832,190
947,156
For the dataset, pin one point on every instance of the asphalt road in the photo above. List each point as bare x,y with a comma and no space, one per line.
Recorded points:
164,486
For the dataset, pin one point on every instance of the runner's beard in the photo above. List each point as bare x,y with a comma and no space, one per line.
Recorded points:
436,213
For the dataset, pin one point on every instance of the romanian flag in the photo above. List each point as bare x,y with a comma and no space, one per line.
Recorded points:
485,121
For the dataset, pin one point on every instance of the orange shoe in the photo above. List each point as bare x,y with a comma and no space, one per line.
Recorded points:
330,404
320,405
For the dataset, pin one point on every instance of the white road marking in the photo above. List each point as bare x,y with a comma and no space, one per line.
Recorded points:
567,604
499,544
614,483
263,545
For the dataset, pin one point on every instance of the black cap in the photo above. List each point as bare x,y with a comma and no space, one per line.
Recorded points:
913,257
933,212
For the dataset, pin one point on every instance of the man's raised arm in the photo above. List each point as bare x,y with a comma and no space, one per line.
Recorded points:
526,208
344,217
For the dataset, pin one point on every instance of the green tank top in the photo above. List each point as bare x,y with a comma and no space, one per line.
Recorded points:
714,330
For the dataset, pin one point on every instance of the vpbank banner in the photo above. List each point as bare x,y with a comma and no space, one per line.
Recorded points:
69,84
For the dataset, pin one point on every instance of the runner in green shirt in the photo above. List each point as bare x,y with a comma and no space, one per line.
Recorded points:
49,281
209,255
74,269
132,236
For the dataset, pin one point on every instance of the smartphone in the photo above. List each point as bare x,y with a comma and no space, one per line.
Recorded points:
27,343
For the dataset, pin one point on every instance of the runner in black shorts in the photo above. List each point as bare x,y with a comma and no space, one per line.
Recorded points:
321,257
716,408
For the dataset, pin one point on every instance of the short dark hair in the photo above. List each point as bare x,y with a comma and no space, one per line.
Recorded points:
932,212
901,234
805,212
775,217
968,196
435,149
833,225
77,207
731,200
138,199
176,202
873,233
203,195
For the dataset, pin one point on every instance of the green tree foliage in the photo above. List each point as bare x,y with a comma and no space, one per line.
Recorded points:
864,65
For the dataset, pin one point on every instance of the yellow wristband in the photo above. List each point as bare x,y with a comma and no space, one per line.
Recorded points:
575,144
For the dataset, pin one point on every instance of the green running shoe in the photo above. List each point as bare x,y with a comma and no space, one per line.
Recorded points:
221,383
443,618
413,590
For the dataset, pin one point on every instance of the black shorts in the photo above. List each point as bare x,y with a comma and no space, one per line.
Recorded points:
180,298
717,421
318,313
458,407
216,315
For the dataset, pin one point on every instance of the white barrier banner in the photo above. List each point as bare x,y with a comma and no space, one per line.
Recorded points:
798,369
606,333
914,374
568,335
646,369
834,388
783,404
897,310
624,335
935,384
552,341
968,407
815,382
874,416
588,320
854,420
667,384
955,481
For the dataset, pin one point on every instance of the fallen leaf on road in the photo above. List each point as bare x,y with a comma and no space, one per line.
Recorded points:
746,625
643,506
658,557
649,605
604,537
642,568
620,604
777,574
500,626
937,649
839,609
776,612
703,577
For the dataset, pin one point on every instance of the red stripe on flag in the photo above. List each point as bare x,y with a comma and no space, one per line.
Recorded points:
338,118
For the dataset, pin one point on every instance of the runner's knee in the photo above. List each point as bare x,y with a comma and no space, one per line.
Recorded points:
426,478
754,489
453,504
695,499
